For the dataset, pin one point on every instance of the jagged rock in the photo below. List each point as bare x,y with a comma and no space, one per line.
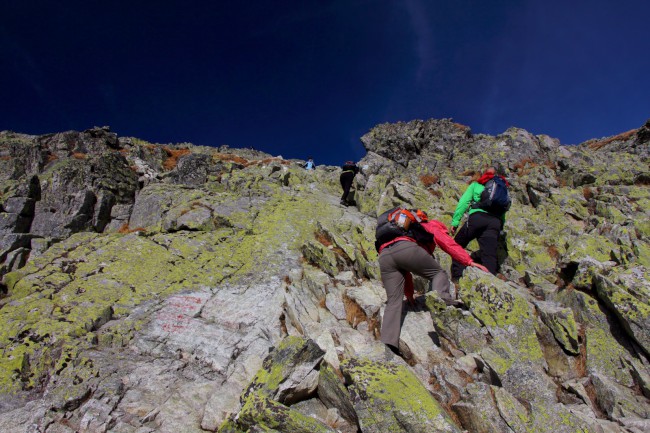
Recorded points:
287,374
586,270
562,324
401,142
14,223
514,353
12,241
369,296
23,206
262,411
604,353
333,394
641,376
635,425
562,364
629,298
383,395
192,170
314,408
321,256
478,412
617,401
417,339
539,417
193,262
69,194
493,409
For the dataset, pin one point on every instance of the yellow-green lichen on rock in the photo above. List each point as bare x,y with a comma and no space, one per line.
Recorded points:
278,366
562,324
500,307
262,412
536,239
387,396
514,351
604,354
628,295
570,201
91,279
536,416
262,400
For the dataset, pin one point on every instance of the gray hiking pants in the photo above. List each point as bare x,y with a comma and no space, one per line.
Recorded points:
394,261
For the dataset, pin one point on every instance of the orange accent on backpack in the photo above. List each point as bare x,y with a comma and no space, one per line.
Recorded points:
402,218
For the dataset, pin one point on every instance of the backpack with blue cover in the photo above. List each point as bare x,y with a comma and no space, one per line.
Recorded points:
495,198
398,222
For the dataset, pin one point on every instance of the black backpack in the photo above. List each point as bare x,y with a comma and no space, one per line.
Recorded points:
350,166
398,222
495,198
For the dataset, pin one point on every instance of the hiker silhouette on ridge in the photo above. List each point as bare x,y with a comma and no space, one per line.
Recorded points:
350,170
485,220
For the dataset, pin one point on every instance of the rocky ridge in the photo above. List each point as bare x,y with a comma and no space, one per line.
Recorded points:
178,288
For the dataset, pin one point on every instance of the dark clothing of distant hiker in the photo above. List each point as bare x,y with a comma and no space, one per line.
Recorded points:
402,256
480,225
350,170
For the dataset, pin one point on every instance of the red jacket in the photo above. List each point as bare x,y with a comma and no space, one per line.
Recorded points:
442,239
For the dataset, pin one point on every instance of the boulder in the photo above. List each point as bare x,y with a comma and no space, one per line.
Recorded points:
388,397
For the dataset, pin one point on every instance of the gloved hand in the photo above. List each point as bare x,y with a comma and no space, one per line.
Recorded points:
481,267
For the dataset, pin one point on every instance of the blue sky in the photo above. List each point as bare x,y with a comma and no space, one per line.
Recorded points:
309,78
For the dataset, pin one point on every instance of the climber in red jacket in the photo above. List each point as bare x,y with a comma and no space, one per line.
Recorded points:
402,256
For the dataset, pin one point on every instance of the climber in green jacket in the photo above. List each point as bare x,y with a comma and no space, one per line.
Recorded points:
487,201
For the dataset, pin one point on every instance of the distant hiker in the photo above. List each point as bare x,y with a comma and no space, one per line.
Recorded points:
309,165
350,170
405,240
488,201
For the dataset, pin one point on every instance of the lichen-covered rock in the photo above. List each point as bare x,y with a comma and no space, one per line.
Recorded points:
288,375
514,353
260,411
562,324
286,370
192,170
628,295
604,353
617,401
539,417
478,412
389,398
193,262
333,394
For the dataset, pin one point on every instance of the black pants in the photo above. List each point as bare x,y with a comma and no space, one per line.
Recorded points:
346,184
485,228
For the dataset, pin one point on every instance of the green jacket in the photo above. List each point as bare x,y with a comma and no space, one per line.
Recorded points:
471,195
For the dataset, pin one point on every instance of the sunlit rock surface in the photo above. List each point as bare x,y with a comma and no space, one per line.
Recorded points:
177,288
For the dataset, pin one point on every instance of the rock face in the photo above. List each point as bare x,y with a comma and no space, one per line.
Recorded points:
178,288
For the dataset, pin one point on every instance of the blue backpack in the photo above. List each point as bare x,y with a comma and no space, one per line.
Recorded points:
495,198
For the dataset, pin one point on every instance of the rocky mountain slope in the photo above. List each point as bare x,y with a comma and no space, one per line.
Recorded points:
177,288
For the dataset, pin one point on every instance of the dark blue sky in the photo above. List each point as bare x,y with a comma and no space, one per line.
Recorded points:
305,77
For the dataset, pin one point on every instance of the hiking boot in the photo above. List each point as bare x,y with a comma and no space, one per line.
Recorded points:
395,350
